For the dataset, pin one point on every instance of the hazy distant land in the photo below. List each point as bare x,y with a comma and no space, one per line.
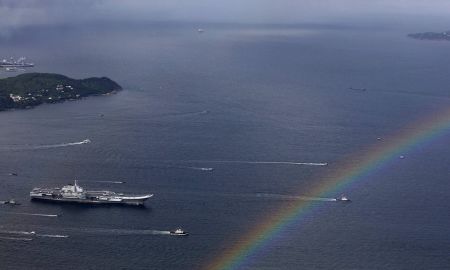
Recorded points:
32,89
431,36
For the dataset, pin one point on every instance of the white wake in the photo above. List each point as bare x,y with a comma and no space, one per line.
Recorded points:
171,166
43,146
111,182
16,238
189,113
291,197
32,214
33,233
124,231
18,232
205,169
52,235
259,162
48,146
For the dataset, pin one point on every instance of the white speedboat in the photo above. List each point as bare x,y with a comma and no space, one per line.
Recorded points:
179,232
86,141
343,198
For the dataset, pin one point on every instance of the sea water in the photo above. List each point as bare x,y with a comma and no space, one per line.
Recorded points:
261,98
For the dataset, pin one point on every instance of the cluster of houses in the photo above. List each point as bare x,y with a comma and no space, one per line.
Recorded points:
43,94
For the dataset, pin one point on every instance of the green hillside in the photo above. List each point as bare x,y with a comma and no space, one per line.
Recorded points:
31,89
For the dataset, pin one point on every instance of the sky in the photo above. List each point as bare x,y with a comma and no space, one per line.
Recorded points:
18,13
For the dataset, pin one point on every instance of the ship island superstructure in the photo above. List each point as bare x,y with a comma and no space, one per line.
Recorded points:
19,63
76,194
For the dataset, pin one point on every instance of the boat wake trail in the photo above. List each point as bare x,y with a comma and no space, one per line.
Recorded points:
196,113
18,232
69,232
189,113
291,197
126,232
257,162
164,166
42,147
15,238
48,146
52,235
205,169
110,182
32,233
137,232
32,214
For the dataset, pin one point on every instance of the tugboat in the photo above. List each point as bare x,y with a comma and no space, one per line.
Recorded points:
10,202
76,194
179,232
343,198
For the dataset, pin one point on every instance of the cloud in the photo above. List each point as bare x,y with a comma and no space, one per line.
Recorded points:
270,11
14,13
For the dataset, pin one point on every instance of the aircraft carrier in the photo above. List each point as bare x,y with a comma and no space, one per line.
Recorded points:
76,194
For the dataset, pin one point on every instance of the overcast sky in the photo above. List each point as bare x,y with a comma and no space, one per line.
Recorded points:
17,13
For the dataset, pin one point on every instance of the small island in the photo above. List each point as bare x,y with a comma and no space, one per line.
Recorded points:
431,36
32,89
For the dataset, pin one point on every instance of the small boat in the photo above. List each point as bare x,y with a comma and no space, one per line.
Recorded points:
357,89
86,141
179,232
11,69
13,174
343,198
10,202
200,30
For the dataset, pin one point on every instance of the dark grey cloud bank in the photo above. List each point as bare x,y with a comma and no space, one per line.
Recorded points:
15,13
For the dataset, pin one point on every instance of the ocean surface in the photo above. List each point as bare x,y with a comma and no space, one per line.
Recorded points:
198,116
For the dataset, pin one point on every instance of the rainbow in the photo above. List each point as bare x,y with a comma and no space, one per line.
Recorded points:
373,159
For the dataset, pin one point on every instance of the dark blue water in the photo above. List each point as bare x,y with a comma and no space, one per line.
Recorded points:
233,93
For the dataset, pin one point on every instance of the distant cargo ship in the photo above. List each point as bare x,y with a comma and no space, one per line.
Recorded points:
76,194
12,64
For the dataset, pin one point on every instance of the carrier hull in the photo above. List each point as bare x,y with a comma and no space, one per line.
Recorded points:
76,194
139,202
